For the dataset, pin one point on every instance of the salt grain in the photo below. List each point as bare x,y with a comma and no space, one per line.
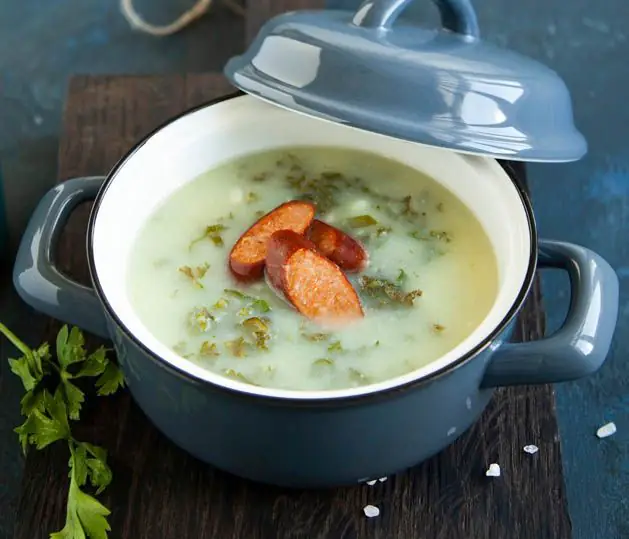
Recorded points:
382,479
493,470
531,449
372,482
606,430
371,511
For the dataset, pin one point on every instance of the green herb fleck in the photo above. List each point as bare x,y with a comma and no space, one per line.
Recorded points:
438,328
259,328
321,190
237,347
261,305
252,197
231,373
361,221
407,206
440,207
209,349
323,362
235,293
335,346
315,337
195,274
419,235
213,233
50,403
201,319
384,290
221,303
441,235
401,278
258,304
257,324
262,177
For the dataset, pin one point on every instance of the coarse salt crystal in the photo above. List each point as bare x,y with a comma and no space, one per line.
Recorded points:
382,479
606,430
371,511
531,449
372,482
493,470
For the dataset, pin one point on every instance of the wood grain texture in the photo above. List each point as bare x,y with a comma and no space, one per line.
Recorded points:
160,492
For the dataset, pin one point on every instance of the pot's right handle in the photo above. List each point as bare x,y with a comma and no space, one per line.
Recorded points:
37,279
581,345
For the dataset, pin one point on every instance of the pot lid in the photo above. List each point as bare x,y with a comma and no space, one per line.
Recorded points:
442,87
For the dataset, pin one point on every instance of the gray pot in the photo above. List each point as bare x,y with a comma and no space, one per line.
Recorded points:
295,438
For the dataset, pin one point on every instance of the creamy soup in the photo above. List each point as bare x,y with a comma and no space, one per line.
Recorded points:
430,281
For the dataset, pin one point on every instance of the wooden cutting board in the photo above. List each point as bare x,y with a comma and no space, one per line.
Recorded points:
159,492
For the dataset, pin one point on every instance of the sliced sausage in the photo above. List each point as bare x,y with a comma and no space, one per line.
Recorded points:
308,280
246,259
339,247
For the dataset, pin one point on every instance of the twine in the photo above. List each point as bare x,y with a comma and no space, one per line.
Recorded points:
188,17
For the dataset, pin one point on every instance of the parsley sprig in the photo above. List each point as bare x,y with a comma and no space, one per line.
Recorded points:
51,402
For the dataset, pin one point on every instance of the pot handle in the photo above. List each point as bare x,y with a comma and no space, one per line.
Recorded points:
35,276
457,16
581,345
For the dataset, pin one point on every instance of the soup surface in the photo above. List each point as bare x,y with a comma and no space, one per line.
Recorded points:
430,281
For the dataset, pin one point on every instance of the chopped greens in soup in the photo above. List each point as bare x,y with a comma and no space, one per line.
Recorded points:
427,280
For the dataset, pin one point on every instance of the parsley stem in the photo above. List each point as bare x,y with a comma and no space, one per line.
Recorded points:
14,340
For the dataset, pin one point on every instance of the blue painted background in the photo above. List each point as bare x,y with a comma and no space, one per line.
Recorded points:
42,42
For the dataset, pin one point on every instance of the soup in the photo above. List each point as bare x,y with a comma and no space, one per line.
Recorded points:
430,279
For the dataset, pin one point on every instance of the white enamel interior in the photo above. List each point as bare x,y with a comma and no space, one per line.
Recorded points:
204,139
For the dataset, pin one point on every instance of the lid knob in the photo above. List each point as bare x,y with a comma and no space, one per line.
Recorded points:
442,87
456,15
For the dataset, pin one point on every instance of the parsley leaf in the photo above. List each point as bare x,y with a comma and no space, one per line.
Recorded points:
74,397
70,347
85,515
21,368
95,364
110,381
48,415
40,430
98,470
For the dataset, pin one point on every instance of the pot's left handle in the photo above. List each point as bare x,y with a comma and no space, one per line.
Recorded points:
37,279
580,346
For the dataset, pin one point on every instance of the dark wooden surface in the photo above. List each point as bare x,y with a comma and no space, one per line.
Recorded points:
160,492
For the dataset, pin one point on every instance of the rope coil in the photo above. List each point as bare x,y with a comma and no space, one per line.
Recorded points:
199,9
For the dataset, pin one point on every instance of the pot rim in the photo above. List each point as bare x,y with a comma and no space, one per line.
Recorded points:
386,392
